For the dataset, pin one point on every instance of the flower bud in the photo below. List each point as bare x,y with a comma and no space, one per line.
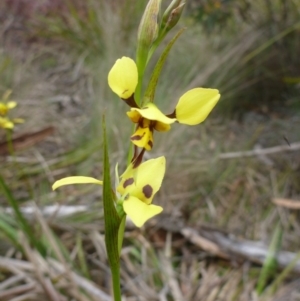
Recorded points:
172,15
148,28
147,34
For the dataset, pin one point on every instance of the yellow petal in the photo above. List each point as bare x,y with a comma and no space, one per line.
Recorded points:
11,104
123,77
9,125
139,212
143,137
194,106
134,116
151,112
5,123
150,173
75,180
3,109
162,127
129,172
128,179
146,181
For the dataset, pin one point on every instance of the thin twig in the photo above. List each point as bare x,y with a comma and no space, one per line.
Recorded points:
287,203
244,249
58,210
21,289
168,270
221,244
11,281
261,151
39,265
82,282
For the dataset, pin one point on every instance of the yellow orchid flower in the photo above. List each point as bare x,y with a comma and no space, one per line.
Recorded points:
5,105
5,123
139,187
192,108
148,118
136,188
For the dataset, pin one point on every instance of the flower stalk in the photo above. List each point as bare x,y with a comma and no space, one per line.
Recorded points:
147,34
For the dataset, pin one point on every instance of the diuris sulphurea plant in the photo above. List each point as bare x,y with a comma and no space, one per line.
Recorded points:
136,187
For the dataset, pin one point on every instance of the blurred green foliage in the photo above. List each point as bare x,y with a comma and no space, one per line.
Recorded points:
269,69
215,14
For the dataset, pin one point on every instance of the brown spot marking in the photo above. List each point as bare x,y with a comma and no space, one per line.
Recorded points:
137,137
124,92
138,160
128,182
150,143
147,191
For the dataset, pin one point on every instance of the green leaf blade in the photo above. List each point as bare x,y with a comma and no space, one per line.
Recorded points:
111,218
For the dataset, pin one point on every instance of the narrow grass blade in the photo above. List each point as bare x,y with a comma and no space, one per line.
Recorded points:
10,232
270,264
81,257
282,276
22,222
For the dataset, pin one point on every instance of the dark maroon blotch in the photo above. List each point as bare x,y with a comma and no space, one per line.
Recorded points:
137,137
147,191
128,182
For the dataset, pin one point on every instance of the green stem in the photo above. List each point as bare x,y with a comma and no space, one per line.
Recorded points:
141,63
155,45
115,277
17,166
24,225
138,90
142,59
131,148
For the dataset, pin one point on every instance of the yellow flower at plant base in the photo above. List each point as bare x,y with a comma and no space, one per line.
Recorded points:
136,188
5,105
5,123
192,108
